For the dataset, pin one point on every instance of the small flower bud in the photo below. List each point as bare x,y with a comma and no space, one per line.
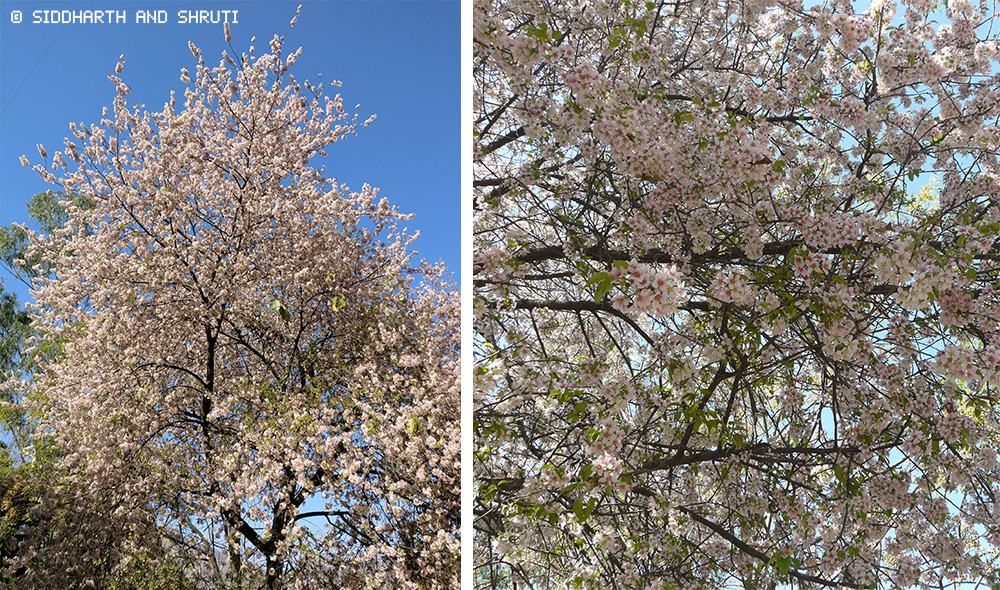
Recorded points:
41,150
229,36
24,161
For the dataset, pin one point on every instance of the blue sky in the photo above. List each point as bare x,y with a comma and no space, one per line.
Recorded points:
399,60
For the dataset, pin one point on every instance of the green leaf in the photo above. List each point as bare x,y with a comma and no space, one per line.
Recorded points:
413,426
683,117
538,32
599,277
280,309
604,284
602,290
783,564
582,510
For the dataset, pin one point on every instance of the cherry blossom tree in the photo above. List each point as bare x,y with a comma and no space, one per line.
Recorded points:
736,272
248,376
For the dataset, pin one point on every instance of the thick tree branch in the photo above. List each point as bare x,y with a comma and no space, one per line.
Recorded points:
504,140
687,458
756,553
582,306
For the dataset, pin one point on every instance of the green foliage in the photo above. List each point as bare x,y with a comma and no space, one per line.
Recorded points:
13,243
15,326
16,493
20,488
143,573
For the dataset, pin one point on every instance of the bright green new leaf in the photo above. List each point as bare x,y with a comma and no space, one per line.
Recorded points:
413,426
280,309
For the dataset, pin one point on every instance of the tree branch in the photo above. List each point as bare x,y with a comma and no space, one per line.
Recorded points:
756,553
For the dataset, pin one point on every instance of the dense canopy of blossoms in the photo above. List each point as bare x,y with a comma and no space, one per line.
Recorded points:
244,369
737,283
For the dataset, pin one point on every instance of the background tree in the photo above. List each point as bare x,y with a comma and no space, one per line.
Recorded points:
15,327
23,462
15,496
245,372
48,211
723,340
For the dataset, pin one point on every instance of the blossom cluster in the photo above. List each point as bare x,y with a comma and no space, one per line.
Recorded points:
657,291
